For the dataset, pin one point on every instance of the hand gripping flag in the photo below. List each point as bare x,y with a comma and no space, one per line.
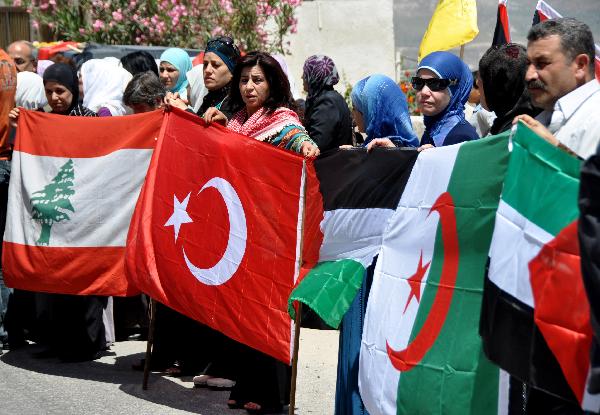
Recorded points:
73,187
535,316
218,231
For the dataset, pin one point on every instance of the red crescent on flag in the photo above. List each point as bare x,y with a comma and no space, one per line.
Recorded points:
406,359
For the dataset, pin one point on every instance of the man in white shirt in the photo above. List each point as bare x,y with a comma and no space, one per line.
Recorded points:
561,81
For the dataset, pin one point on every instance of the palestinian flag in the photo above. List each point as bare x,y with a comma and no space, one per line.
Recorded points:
360,194
73,188
421,351
502,31
535,318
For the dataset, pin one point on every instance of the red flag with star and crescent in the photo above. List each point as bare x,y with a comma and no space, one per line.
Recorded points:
223,229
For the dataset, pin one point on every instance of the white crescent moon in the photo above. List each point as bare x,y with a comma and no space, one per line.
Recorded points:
229,263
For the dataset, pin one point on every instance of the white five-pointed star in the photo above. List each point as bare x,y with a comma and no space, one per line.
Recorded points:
179,215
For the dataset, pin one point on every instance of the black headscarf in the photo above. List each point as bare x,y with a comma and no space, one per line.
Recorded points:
66,76
502,70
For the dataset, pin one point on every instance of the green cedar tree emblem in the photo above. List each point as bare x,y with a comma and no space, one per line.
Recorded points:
50,204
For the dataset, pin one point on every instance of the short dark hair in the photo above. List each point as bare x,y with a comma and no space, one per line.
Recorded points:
138,62
144,88
502,71
279,85
575,37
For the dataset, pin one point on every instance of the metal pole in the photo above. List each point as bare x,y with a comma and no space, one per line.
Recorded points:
297,322
149,343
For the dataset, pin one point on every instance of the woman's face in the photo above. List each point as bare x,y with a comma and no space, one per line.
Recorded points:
482,100
58,96
216,73
168,75
431,102
358,120
254,88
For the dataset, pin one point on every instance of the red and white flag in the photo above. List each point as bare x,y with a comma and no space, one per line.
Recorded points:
217,231
73,188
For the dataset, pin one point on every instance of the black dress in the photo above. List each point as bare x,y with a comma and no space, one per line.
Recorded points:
328,121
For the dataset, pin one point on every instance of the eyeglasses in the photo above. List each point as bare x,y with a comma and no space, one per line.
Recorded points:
434,84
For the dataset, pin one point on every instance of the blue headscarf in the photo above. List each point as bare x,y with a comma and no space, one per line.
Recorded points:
447,66
384,109
180,60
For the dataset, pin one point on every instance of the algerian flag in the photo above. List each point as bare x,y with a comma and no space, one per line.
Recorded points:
421,352
535,318
360,193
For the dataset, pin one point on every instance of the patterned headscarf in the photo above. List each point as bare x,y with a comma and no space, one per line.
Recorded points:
384,109
319,72
447,66
181,60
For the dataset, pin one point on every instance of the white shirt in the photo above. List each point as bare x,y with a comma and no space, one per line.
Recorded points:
575,121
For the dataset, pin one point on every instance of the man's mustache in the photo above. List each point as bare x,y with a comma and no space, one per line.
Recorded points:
536,84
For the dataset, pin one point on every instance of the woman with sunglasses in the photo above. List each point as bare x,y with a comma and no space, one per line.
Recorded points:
443,85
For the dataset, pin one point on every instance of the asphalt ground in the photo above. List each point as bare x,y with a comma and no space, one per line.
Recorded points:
108,385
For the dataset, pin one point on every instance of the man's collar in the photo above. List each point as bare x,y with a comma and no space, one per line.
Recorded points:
569,103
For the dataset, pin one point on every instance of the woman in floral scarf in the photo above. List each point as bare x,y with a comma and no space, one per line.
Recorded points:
262,92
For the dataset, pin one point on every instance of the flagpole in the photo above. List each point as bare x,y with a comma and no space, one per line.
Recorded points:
462,52
297,322
298,319
149,343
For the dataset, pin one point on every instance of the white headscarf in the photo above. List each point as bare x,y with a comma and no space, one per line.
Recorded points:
30,92
197,89
104,82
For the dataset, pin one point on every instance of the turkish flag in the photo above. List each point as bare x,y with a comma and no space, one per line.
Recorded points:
222,229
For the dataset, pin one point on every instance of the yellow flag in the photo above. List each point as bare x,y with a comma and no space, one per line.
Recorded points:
454,23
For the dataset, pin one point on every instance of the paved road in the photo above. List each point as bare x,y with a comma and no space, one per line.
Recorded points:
109,386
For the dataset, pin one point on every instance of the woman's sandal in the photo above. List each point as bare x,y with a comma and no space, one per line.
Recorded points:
254,408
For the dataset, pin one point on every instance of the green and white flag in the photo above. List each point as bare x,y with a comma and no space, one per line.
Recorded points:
421,352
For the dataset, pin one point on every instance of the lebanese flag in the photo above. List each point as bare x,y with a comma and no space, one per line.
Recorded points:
73,187
543,11
502,31
535,319
420,351
222,228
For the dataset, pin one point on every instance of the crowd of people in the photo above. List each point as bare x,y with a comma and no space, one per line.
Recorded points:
548,84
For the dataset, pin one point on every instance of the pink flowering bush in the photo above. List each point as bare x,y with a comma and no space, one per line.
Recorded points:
255,24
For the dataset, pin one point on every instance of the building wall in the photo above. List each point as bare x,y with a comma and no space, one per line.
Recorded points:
357,34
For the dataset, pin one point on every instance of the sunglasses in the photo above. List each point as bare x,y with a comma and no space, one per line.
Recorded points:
434,84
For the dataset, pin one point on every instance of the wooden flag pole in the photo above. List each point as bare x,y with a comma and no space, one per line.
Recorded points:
149,344
462,52
297,322
298,319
